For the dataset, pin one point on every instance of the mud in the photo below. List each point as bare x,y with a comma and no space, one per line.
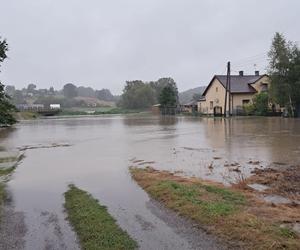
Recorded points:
284,181
197,237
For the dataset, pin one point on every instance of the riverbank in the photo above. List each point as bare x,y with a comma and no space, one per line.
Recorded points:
235,215
29,115
97,111
10,163
96,228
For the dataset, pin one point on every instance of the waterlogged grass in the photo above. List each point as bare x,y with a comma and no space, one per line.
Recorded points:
210,202
2,194
95,227
6,171
8,159
233,216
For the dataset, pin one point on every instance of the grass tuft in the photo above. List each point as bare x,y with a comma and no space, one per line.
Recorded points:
95,227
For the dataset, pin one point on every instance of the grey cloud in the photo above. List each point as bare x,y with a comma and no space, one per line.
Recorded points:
104,43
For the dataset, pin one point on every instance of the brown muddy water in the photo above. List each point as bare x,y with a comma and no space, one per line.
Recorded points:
95,152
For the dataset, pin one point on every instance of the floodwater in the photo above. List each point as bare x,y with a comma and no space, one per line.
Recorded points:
95,152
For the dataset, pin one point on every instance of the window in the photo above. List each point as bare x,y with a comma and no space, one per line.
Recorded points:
246,101
216,89
211,105
264,87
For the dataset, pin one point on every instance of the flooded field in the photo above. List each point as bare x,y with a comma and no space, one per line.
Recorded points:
95,152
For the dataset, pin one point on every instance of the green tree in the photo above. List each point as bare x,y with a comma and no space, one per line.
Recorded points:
284,65
105,95
168,97
6,108
137,95
161,83
70,90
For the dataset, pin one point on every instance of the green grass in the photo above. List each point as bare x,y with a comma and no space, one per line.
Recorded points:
95,227
286,232
212,202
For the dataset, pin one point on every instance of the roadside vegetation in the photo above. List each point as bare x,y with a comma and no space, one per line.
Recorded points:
236,216
95,227
6,108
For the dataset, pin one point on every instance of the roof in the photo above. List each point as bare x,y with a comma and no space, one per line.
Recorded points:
239,84
191,103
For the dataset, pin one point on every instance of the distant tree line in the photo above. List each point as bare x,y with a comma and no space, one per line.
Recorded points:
69,96
140,95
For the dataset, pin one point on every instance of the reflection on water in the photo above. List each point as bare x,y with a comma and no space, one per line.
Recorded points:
98,161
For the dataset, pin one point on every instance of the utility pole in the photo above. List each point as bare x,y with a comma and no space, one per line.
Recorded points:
226,90
229,85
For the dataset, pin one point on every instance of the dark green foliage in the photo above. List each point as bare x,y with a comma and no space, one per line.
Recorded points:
6,107
261,103
70,90
168,97
140,95
95,227
105,95
284,70
137,95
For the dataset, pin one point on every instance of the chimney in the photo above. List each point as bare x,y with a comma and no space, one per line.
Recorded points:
241,73
256,72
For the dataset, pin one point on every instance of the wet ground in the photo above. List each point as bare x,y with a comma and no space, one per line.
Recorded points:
95,153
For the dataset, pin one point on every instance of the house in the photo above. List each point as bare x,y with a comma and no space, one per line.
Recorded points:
243,88
189,107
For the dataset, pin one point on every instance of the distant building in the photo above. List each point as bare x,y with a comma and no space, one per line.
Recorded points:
190,107
243,88
54,106
30,107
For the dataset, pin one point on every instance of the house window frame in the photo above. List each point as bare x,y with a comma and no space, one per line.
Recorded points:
245,102
211,104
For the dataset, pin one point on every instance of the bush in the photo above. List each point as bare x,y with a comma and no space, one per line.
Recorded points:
261,103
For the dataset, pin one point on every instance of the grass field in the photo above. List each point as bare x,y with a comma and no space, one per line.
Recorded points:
95,227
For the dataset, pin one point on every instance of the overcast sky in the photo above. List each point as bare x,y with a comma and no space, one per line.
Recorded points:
104,43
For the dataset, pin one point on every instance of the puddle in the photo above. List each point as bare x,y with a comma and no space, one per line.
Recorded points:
276,199
258,187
